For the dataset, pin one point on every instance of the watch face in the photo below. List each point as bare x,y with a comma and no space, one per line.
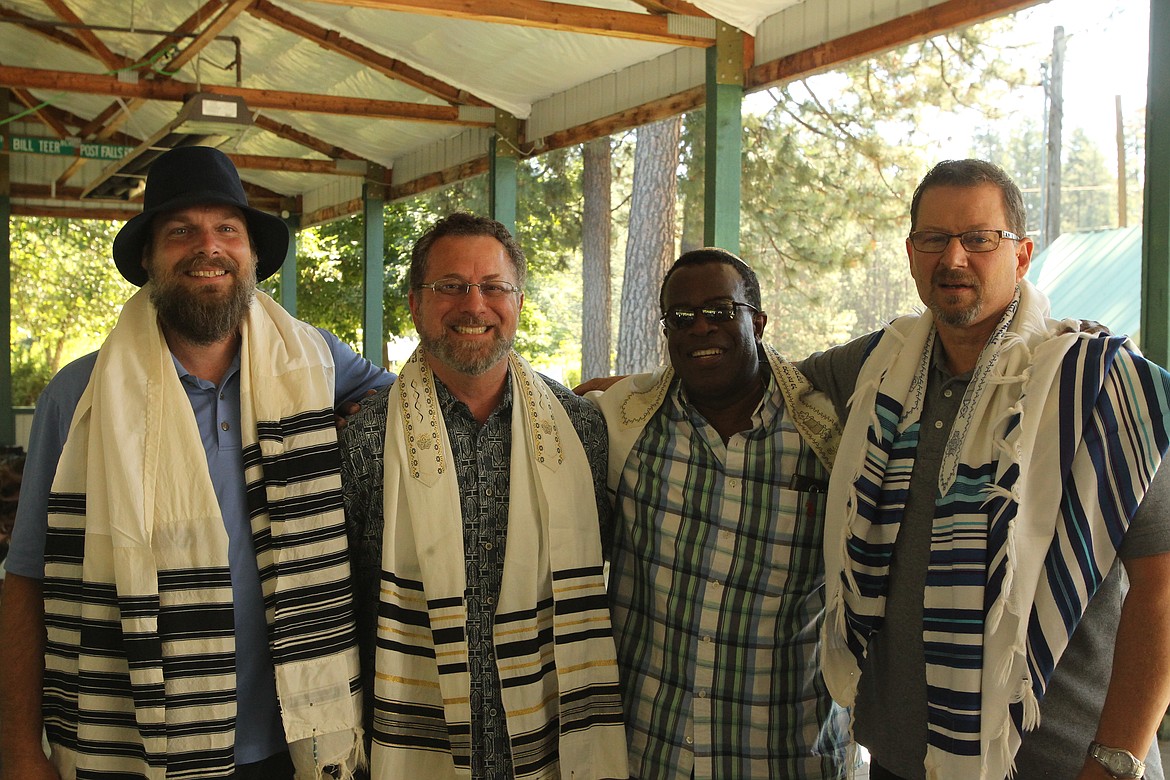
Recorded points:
1120,764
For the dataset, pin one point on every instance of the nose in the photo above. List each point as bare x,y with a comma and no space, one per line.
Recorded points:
701,324
473,299
207,242
954,254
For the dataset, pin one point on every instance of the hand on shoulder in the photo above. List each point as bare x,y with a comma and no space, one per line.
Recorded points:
598,383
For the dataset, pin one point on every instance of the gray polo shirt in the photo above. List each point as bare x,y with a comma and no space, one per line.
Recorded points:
890,714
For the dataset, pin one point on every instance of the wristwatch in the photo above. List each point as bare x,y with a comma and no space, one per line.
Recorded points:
1117,762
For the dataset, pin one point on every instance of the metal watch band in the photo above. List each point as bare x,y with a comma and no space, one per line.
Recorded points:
1118,762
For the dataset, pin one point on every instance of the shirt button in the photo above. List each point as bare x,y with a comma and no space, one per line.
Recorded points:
938,424
224,426
487,492
708,639
491,599
690,740
733,483
948,392
715,583
702,694
221,396
487,545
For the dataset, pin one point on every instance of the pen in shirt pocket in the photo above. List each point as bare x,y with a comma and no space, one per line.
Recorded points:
806,484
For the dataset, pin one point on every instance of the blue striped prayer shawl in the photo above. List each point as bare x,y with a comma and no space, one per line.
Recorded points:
140,652
1056,442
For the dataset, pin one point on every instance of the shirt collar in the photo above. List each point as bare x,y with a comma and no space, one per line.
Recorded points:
450,405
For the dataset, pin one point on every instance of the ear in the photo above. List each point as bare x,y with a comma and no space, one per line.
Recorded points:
1024,249
759,322
412,301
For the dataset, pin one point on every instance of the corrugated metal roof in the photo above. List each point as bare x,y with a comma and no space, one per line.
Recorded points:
438,71
1095,275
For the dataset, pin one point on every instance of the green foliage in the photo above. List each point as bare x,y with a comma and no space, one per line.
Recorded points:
329,288
66,296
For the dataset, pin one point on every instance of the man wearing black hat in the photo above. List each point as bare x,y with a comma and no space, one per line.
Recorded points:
178,594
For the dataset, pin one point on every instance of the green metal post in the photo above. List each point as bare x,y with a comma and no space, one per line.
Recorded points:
373,203
288,270
7,416
503,163
1155,336
724,168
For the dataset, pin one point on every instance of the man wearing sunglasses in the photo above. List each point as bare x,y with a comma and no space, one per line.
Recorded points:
987,506
719,464
475,491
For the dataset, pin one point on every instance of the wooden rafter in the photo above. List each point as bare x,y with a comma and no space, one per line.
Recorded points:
113,116
915,26
290,133
43,28
89,40
545,15
208,34
42,112
364,55
175,90
662,7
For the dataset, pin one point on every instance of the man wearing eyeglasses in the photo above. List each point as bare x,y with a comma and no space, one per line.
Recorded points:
719,464
475,499
987,506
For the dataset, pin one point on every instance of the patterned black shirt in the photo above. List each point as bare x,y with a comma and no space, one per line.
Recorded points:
482,456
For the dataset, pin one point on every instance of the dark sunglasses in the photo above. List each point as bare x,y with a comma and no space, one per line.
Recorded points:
679,317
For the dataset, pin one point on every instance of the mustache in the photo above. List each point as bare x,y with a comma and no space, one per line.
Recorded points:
203,261
954,276
471,322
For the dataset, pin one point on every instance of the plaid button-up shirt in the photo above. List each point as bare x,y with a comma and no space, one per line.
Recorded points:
717,588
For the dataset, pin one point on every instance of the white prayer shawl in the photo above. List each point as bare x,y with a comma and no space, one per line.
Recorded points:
629,404
140,658
1057,438
553,642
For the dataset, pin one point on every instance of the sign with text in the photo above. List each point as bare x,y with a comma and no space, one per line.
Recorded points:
55,146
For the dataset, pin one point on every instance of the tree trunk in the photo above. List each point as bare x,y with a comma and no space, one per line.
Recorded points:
650,246
595,268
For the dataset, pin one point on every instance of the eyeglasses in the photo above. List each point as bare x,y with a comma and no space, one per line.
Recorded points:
972,240
680,317
457,287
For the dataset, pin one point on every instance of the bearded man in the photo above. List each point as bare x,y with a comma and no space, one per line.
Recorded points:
474,488
178,597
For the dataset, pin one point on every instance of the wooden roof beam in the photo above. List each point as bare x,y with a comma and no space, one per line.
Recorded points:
330,40
290,133
916,26
179,91
207,34
545,15
105,125
663,7
42,111
92,43
46,29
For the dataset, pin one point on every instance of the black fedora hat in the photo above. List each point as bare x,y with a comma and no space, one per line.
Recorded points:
194,176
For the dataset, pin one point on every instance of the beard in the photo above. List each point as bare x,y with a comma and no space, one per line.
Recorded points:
206,316
951,315
470,359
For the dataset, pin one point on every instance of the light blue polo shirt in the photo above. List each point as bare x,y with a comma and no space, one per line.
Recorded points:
259,733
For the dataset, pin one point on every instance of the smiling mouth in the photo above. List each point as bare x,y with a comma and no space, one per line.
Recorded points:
470,330
209,274
709,352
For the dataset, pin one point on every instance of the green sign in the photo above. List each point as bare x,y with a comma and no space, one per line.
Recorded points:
54,146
